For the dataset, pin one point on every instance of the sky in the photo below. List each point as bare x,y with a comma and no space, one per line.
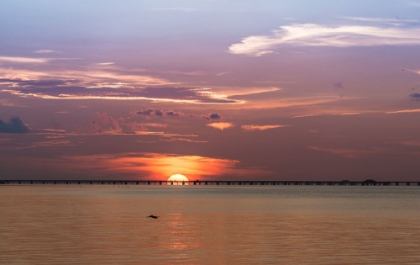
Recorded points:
211,89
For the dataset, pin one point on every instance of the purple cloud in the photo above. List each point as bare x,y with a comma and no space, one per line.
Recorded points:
212,116
172,113
149,112
77,89
415,96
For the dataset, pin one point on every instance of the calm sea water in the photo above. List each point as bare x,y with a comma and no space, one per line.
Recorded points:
209,225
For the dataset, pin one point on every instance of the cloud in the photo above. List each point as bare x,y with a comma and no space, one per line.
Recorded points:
212,116
8,103
253,127
48,143
160,113
105,63
15,125
172,113
320,35
403,111
381,19
22,60
78,89
221,125
415,96
45,51
412,143
148,112
351,153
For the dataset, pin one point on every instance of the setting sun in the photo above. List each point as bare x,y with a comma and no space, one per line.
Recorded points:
178,178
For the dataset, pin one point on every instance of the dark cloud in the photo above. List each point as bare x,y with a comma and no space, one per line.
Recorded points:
149,112
212,116
158,113
415,96
72,88
15,125
172,113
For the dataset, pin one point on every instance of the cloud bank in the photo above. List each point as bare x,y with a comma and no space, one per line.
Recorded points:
321,35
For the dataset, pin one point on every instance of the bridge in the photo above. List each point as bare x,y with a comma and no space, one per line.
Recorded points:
368,182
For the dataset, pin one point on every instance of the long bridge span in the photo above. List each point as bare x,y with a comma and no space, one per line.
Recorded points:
368,182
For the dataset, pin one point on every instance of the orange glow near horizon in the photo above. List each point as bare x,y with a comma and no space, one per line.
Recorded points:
160,166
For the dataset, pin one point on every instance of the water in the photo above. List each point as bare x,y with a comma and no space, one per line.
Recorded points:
209,225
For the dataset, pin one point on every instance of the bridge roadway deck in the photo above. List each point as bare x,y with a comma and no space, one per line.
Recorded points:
210,182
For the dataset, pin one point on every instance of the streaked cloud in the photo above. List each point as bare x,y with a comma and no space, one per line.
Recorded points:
221,125
403,111
48,143
351,153
46,51
22,60
412,143
252,127
76,89
320,35
8,103
105,63
381,19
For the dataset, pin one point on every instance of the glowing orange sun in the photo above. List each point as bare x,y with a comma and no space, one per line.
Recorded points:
178,178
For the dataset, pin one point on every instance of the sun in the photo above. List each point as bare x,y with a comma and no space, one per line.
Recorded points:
178,178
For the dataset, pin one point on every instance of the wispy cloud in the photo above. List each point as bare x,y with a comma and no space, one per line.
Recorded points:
22,60
79,89
221,125
253,127
380,19
47,143
403,111
412,143
46,51
105,63
8,103
351,153
320,35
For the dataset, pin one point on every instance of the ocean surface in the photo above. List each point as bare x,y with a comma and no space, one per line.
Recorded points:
61,224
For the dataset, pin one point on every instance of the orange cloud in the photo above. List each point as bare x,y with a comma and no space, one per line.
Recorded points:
162,166
261,127
221,125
